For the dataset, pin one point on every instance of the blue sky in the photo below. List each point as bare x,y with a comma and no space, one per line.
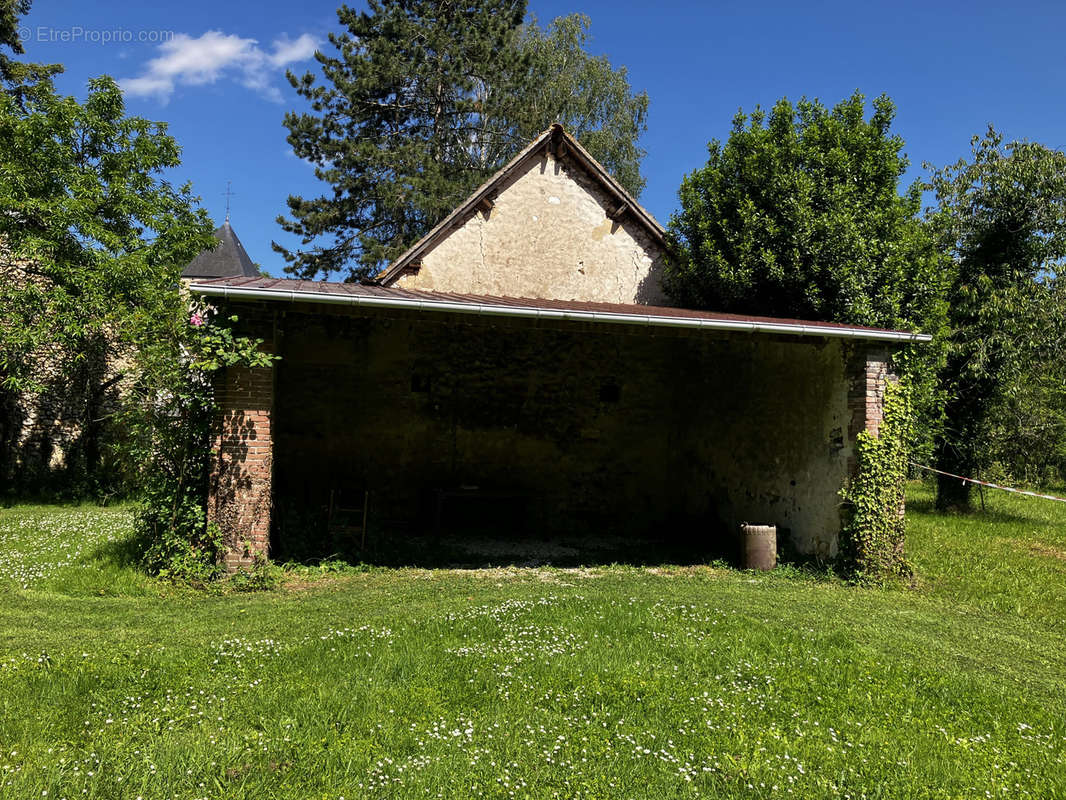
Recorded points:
951,68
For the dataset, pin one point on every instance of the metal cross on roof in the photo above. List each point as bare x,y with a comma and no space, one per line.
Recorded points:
228,194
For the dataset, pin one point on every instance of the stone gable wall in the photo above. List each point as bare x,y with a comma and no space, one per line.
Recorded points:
548,236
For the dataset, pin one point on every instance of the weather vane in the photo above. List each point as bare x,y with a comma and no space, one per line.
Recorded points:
228,194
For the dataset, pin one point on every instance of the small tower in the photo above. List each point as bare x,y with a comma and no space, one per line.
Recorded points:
227,260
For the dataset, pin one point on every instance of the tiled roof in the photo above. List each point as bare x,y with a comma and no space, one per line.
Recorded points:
274,289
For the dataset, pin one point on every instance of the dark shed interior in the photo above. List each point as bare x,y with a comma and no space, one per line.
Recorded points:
518,430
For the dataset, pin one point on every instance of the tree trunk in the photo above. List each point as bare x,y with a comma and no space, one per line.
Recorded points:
952,494
958,446
954,457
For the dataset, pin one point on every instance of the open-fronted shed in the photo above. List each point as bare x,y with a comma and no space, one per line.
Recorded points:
514,357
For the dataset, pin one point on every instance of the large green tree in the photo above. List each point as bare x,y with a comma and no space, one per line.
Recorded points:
592,99
421,102
799,214
1023,438
92,239
1002,215
93,234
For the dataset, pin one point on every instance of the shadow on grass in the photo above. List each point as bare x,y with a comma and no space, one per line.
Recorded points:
481,550
121,554
928,506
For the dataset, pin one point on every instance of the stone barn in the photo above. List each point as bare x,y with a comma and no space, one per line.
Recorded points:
521,359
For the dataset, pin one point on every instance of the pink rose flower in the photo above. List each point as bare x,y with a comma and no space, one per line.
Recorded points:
196,320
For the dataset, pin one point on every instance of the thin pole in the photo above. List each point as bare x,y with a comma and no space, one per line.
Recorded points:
228,194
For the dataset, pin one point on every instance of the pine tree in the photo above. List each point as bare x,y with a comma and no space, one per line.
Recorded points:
18,76
423,101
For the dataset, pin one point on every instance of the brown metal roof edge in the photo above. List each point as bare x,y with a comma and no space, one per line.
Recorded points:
547,309
591,165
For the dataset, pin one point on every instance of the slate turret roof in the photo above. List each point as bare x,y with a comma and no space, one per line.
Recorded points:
228,260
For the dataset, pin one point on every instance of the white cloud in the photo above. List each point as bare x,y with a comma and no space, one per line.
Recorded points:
287,51
188,61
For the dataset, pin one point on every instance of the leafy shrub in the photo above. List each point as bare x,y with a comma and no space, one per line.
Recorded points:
998,472
171,430
261,576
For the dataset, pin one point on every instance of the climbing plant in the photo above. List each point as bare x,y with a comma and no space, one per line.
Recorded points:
169,422
874,530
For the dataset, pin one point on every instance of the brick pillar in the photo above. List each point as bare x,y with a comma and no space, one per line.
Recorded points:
868,377
868,374
240,494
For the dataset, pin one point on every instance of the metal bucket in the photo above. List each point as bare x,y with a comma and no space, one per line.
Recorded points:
759,546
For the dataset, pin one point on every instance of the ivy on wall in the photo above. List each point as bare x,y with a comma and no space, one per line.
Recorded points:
170,420
874,531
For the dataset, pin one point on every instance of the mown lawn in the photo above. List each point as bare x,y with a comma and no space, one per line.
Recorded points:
608,682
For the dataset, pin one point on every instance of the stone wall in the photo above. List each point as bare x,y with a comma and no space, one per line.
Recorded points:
610,429
55,441
548,235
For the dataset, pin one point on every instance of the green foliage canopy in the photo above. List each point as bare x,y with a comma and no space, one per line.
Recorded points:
92,239
17,76
10,13
798,214
1002,216
425,100
93,235
563,83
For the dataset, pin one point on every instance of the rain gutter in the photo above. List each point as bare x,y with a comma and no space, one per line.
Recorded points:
530,312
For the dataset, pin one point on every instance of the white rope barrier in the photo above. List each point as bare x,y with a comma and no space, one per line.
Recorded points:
991,485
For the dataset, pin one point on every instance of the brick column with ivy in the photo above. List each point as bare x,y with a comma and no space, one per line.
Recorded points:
874,531
868,374
240,497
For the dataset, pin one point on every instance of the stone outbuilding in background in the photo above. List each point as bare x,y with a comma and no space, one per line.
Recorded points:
515,357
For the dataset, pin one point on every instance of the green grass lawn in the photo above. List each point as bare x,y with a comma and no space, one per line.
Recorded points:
608,682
